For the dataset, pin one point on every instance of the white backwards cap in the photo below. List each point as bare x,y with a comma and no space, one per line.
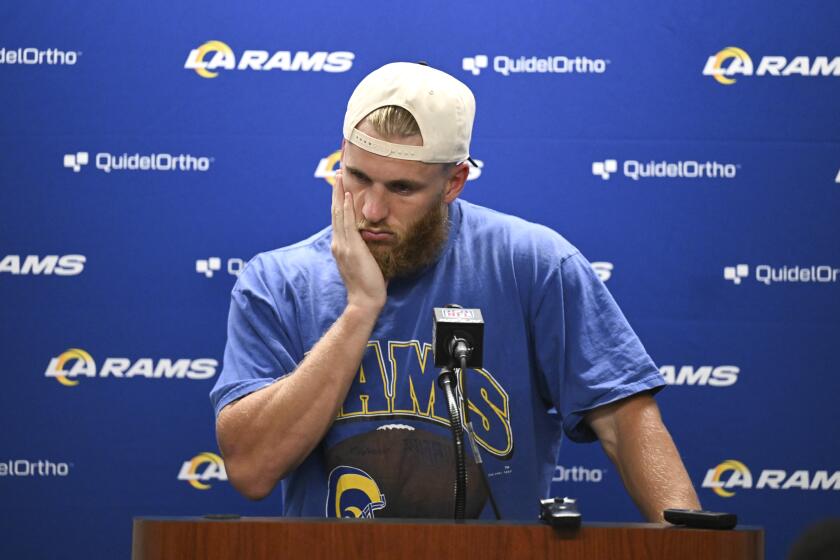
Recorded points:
443,107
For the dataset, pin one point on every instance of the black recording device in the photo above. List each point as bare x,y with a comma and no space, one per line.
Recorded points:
454,324
701,519
560,512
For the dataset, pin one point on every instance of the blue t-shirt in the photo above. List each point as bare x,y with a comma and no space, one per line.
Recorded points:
555,346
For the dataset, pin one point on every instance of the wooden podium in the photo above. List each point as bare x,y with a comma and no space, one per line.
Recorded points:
313,539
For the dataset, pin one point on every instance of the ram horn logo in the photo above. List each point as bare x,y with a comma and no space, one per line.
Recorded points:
741,476
215,469
714,66
56,369
328,166
196,58
353,493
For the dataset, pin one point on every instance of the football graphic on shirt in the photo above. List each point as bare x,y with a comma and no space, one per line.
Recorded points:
398,471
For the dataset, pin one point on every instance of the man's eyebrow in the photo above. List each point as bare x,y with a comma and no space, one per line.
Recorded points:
356,171
399,183
390,184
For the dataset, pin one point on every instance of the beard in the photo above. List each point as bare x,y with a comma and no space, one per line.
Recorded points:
418,247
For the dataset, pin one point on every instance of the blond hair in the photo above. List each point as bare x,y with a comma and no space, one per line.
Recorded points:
392,121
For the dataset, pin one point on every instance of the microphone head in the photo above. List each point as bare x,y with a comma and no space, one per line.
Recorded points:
456,322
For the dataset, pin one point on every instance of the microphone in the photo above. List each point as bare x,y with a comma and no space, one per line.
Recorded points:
458,344
457,333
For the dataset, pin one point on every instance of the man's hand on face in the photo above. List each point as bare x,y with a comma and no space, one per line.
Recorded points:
362,276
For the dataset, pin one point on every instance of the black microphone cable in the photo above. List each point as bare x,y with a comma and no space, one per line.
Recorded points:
446,380
460,351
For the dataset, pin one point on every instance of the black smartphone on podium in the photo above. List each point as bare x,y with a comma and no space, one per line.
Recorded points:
701,519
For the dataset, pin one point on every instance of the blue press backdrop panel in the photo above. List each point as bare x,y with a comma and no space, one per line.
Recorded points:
750,358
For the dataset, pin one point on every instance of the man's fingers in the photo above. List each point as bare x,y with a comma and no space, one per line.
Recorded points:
338,207
349,217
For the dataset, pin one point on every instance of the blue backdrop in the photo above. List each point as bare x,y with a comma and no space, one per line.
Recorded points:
149,149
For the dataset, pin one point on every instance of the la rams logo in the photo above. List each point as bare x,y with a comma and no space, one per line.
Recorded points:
353,493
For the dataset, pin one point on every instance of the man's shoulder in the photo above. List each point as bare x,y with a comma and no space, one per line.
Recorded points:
498,229
289,263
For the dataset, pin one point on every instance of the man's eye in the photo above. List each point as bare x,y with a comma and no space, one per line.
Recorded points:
402,188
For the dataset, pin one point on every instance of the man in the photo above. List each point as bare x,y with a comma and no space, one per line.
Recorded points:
328,383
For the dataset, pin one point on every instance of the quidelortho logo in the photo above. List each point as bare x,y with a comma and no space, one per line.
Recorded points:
732,62
212,56
786,274
736,273
40,468
683,169
712,376
209,266
577,474
559,64
731,474
475,64
327,167
76,161
604,169
47,265
74,363
108,162
32,56
201,469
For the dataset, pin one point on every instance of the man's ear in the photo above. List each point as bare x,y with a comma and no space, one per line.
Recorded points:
455,183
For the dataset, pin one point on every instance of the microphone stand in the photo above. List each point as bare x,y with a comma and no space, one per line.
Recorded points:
447,382
471,435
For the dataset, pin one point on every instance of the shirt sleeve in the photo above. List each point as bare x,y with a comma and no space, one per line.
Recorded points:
587,351
258,350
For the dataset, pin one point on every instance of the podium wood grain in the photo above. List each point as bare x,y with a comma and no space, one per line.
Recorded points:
311,539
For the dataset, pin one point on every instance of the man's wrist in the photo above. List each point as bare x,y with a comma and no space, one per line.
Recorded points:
363,314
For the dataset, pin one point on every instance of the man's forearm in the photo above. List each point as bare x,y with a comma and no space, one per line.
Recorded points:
268,433
653,471
640,446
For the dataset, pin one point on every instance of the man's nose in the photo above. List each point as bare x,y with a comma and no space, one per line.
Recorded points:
375,204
